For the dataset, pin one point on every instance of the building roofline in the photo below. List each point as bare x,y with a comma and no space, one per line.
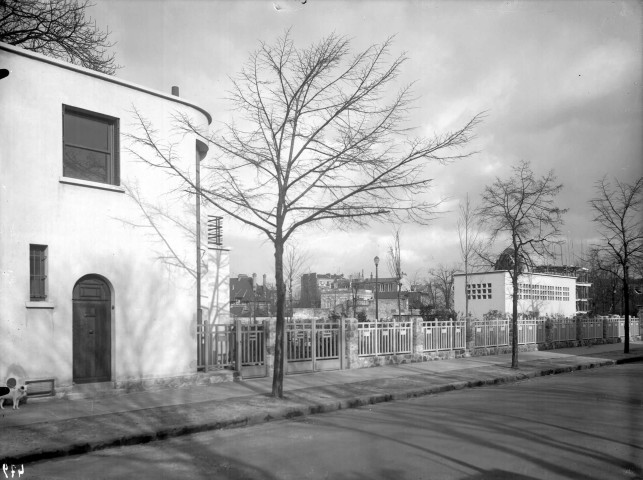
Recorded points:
101,76
507,271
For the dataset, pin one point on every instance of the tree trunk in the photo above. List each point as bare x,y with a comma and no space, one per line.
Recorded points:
514,321
626,300
278,372
466,293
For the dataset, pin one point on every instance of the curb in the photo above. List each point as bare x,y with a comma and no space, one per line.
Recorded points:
285,413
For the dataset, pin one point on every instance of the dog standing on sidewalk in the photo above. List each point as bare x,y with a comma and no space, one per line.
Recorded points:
14,394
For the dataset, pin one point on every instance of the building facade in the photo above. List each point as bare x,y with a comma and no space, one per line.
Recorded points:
539,294
87,293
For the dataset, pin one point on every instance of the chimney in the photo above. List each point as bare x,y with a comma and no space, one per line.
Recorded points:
175,91
254,282
264,279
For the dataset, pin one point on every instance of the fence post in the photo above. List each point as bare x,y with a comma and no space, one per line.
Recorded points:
206,345
341,342
265,346
418,336
238,342
284,346
378,338
451,328
313,343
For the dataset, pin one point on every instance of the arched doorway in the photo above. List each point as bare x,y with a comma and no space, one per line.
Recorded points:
92,333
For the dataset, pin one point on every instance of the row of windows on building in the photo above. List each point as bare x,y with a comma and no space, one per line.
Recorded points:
543,292
482,291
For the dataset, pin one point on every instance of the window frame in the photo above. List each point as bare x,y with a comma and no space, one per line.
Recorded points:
113,170
39,295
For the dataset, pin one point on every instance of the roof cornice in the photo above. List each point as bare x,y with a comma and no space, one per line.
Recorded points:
102,76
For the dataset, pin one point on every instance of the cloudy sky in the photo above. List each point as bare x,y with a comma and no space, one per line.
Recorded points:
561,82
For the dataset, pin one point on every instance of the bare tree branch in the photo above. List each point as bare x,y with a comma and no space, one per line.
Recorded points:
59,29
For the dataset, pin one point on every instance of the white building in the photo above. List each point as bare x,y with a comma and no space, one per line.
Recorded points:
85,296
541,294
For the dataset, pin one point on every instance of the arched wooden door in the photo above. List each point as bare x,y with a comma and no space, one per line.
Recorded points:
92,336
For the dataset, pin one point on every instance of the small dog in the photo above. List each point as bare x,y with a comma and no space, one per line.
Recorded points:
14,394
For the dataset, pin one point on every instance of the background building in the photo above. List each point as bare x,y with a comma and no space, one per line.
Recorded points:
250,300
312,285
539,293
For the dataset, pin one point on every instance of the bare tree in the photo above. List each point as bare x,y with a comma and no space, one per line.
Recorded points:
606,287
295,263
59,29
469,236
319,139
394,261
442,280
520,210
617,213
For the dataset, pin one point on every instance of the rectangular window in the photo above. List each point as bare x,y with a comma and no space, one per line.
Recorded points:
38,273
90,146
478,291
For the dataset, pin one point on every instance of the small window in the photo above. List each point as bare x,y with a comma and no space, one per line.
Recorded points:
38,273
90,146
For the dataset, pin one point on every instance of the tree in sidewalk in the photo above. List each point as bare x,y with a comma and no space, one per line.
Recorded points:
394,262
617,214
318,138
521,210
58,29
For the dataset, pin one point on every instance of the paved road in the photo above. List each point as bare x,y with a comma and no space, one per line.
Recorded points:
583,425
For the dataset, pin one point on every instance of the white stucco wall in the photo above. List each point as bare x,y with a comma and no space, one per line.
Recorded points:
478,307
153,312
501,291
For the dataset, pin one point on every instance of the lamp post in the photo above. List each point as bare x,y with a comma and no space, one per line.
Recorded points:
377,262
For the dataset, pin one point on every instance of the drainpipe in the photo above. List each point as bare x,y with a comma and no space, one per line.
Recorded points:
201,152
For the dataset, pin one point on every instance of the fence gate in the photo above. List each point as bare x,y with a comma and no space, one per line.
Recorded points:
237,346
313,346
251,349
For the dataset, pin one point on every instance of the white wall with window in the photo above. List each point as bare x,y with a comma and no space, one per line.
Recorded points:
66,215
540,294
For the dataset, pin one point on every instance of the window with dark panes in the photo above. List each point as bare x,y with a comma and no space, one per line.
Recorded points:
38,272
90,146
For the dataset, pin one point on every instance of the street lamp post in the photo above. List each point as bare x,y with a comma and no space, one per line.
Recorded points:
377,262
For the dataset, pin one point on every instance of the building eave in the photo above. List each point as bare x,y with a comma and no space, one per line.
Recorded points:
102,76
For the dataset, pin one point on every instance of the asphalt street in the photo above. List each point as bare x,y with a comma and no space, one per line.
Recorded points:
582,425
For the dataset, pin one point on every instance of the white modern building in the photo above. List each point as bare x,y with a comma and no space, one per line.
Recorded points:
86,292
539,294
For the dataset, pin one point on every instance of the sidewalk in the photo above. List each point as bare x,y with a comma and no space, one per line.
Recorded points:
46,429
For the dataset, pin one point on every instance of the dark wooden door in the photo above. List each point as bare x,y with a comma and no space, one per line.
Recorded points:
92,331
